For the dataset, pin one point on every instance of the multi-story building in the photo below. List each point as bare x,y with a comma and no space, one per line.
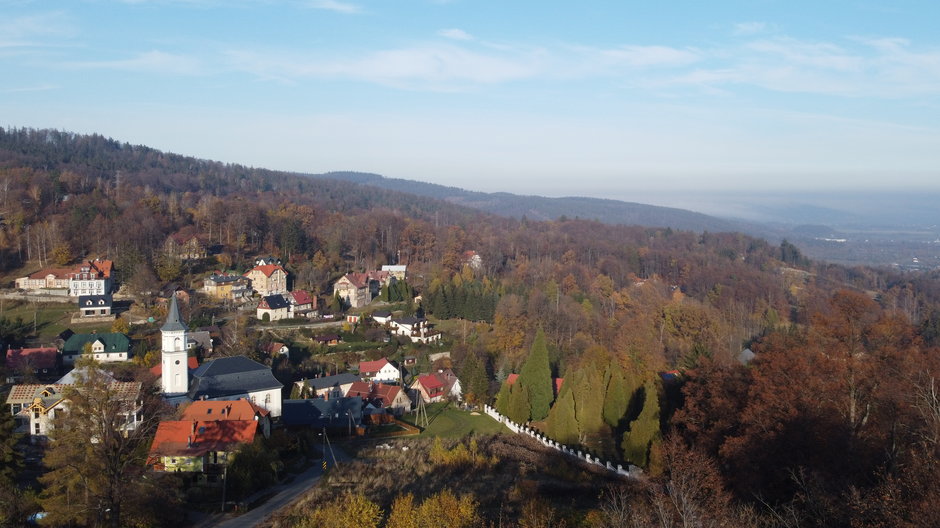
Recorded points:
268,279
226,286
93,277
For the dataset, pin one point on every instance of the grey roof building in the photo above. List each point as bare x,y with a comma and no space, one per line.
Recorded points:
231,377
332,381
336,413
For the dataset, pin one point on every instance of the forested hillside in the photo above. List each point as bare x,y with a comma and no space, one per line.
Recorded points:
835,422
543,208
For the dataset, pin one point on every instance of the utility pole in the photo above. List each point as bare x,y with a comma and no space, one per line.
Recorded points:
224,485
326,443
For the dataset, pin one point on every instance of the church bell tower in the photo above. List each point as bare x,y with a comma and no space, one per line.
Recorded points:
175,377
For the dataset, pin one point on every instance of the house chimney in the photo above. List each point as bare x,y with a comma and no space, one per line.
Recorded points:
194,426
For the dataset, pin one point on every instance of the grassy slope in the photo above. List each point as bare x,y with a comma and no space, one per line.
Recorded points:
51,319
446,421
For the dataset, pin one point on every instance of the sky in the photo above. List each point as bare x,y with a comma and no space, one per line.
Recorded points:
619,99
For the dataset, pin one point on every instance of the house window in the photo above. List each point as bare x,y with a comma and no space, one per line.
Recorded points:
267,399
37,428
36,415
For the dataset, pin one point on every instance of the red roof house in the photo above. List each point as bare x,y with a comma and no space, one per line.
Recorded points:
430,388
191,445
380,394
38,359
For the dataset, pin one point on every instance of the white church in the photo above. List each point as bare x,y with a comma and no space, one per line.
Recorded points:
227,378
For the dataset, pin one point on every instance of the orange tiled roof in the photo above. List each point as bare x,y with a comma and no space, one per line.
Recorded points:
205,410
267,269
196,438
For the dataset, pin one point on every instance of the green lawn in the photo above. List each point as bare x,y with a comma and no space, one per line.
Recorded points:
51,318
447,421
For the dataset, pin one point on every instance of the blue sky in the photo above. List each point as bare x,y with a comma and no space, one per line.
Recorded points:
620,99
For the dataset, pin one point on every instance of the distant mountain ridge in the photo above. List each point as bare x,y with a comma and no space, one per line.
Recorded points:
544,208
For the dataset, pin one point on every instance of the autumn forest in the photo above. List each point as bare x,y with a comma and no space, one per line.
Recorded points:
754,387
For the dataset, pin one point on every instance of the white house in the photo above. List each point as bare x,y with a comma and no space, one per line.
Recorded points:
91,278
415,329
379,371
382,316
275,307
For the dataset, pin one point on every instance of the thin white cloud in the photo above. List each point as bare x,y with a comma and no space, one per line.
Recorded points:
855,67
749,28
34,30
336,6
436,67
24,89
455,34
157,62
821,55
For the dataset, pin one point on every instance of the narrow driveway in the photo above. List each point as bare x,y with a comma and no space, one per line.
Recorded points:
285,495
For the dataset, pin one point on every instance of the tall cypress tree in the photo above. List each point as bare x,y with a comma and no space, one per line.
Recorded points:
617,397
587,386
536,377
502,398
644,431
518,408
476,382
562,423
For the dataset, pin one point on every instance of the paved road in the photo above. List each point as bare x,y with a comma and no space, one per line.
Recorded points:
318,324
285,495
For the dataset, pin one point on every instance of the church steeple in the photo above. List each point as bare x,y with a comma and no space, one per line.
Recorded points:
175,373
173,322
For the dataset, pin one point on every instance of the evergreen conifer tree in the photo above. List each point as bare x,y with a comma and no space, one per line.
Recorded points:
587,386
536,377
518,409
562,422
10,463
476,382
502,398
617,398
644,431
